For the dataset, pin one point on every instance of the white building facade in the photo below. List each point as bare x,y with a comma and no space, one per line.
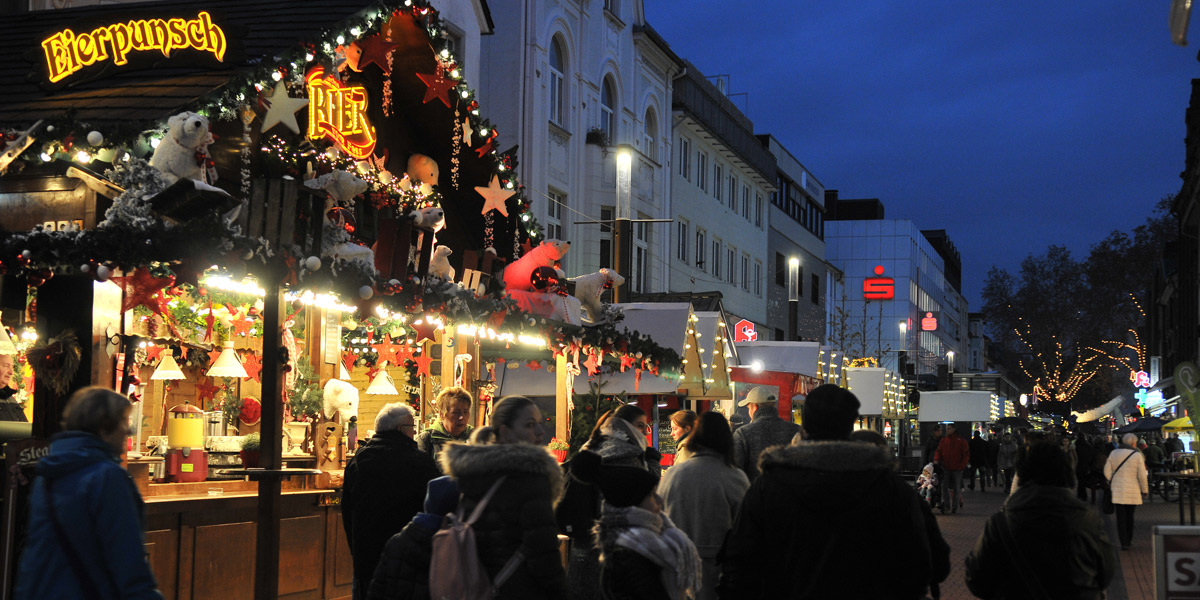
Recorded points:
568,82
721,181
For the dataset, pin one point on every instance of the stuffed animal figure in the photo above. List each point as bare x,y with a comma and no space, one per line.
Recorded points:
439,263
342,186
423,169
432,217
341,399
589,287
183,152
517,275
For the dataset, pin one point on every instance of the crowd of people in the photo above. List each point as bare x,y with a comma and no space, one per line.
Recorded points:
771,510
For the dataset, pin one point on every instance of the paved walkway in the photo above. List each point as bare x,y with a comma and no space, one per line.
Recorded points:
1134,580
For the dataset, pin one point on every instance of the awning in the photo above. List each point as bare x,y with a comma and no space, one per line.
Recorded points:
787,357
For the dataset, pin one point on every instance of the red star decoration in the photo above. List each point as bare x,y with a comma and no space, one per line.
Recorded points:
533,365
213,355
209,321
242,326
593,364
153,352
206,390
375,49
372,372
626,362
253,366
387,350
143,289
423,364
439,86
425,330
487,146
526,246
348,360
404,353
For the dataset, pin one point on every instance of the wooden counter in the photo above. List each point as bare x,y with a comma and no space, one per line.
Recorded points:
202,546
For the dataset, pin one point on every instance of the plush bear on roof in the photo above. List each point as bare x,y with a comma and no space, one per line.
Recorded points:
517,275
183,152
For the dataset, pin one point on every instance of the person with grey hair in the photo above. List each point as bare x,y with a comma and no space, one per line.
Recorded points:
1125,471
764,430
86,518
383,489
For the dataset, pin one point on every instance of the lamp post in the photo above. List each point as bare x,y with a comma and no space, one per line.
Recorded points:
793,296
903,354
623,228
950,360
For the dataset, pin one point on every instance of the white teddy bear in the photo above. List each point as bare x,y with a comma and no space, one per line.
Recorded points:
183,152
589,287
439,263
341,398
342,186
431,217
517,274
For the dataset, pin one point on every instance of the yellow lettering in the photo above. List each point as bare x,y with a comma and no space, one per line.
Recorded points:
214,35
195,32
178,36
161,36
338,113
101,36
122,42
85,47
58,56
143,37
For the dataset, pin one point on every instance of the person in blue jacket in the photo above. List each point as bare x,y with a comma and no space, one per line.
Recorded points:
86,536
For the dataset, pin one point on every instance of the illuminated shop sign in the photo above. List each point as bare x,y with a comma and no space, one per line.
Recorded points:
744,332
338,112
68,52
1140,379
879,287
929,322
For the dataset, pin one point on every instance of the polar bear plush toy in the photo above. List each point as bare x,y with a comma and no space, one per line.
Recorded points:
589,287
432,217
517,275
342,187
439,263
183,152
341,399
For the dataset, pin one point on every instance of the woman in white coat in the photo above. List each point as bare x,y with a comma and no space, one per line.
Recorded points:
1125,471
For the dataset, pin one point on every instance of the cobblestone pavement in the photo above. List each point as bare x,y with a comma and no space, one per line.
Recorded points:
1134,580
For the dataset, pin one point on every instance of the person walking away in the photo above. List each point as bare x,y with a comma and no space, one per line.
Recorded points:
703,495
978,464
1174,444
931,444
954,455
993,451
520,516
1069,449
1085,454
1006,459
643,555
819,502
384,487
403,571
619,437
1125,471
86,517
1156,459
682,422
1045,542
764,430
454,408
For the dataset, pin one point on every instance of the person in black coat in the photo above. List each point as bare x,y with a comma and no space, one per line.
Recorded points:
978,449
384,487
1085,453
824,510
403,571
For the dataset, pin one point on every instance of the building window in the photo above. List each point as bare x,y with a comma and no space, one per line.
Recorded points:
701,248
716,258
730,254
816,289
718,174
611,6
554,212
606,237
683,240
758,208
733,181
685,158
608,102
641,245
650,138
702,170
746,272
746,202
558,67
758,278
780,270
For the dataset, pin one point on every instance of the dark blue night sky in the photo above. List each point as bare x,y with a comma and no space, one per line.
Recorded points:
1012,124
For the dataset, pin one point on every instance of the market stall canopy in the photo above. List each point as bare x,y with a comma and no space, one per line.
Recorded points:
1178,425
789,357
1142,425
716,351
956,406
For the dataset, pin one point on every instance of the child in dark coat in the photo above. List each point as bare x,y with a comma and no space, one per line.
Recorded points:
403,570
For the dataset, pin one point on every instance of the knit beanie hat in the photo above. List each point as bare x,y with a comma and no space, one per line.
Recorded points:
622,486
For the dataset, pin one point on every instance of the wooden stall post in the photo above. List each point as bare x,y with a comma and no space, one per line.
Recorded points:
562,397
266,573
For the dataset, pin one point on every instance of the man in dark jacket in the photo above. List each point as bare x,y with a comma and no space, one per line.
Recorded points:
993,456
931,444
978,465
384,487
1063,550
954,455
817,504
764,430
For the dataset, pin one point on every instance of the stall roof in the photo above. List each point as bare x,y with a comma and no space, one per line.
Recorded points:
956,406
786,357
264,28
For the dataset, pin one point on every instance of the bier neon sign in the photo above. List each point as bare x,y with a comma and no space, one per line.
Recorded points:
338,112
68,52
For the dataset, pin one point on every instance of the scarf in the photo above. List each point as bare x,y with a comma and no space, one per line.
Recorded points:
620,439
655,537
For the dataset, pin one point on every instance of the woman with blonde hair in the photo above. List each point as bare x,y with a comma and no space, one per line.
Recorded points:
454,410
682,424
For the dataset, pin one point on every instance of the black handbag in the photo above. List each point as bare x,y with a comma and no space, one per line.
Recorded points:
1107,503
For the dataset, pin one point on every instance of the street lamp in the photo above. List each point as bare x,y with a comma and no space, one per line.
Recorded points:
950,360
793,296
902,355
623,229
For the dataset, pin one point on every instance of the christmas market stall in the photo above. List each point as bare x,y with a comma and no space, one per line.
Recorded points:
262,221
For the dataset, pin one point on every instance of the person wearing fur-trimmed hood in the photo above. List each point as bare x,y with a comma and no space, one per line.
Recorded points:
643,556
521,514
822,511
